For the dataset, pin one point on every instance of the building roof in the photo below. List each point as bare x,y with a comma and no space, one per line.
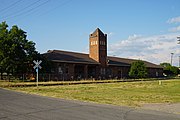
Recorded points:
127,62
74,57
69,57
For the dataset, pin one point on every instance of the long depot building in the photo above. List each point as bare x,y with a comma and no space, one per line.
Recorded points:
95,65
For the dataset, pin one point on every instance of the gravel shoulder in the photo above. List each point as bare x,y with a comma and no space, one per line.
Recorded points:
164,107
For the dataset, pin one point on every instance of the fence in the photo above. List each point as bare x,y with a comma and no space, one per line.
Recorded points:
42,77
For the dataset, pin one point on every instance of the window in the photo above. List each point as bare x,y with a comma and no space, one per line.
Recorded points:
103,71
102,43
157,74
67,70
60,70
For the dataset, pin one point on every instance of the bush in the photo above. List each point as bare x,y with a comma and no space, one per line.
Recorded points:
138,70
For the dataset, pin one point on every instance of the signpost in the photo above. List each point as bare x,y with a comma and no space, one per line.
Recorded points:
36,67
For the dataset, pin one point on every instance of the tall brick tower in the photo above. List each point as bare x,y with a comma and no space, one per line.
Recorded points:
98,47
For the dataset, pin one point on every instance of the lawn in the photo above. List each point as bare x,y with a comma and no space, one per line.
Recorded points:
122,93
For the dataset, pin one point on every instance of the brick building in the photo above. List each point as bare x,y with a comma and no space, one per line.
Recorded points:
70,65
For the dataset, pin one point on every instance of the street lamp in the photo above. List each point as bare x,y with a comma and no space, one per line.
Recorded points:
178,43
171,58
179,61
178,40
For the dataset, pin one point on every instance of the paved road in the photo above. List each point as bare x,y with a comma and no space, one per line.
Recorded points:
20,106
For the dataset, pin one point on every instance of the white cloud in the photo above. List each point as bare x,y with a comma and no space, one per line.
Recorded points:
175,29
155,49
134,37
174,20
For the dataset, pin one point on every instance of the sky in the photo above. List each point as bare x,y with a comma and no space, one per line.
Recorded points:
137,29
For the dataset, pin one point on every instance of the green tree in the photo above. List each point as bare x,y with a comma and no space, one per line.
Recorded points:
16,52
169,70
4,47
138,70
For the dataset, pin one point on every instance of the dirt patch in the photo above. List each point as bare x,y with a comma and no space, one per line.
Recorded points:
164,107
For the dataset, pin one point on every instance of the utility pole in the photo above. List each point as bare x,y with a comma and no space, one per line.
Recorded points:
172,58
179,43
179,62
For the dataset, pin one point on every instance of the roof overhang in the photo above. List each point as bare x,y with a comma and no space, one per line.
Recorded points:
73,62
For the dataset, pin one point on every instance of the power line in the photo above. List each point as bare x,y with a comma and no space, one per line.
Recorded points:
20,11
60,5
30,10
10,6
26,12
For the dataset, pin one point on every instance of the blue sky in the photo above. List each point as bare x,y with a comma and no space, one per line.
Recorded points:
140,29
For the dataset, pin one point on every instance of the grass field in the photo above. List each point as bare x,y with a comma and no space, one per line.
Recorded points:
123,93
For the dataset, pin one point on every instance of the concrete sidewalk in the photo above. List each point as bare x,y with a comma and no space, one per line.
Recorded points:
164,107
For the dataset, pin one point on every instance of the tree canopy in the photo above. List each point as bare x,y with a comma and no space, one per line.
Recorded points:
169,70
16,51
138,70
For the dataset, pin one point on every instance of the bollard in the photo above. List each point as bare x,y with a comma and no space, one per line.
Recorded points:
160,82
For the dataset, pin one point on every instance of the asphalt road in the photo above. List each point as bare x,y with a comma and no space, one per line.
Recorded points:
20,106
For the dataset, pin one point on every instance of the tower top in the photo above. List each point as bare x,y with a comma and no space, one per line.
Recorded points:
97,32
